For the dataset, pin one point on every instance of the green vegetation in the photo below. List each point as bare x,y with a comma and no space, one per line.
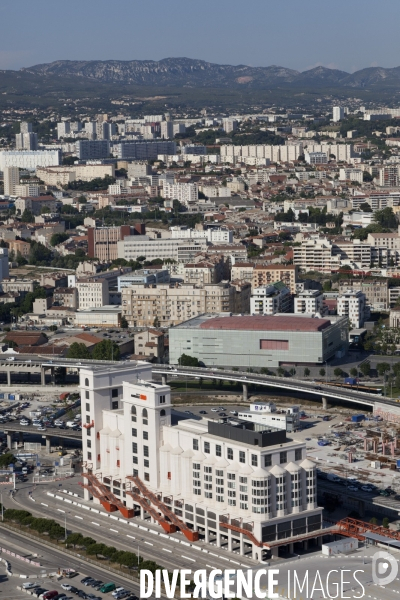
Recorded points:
6,460
188,361
106,350
58,238
78,350
89,186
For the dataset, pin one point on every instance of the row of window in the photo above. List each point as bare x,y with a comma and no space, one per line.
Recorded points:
242,454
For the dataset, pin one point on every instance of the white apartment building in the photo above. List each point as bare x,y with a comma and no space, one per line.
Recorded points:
186,193
389,176
316,158
11,180
92,293
26,141
316,255
30,160
309,302
212,235
338,113
133,246
351,175
229,125
270,299
216,480
28,189
351,304
63,129
62,175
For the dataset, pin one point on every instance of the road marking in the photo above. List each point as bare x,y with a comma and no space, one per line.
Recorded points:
210,567
170,551
43,504
60,510
114,530
94,523
188,558
149,543
211,554
130,536
76,517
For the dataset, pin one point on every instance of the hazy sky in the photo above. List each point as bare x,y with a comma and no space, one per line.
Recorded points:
299,34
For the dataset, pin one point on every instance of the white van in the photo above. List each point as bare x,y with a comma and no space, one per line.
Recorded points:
70,423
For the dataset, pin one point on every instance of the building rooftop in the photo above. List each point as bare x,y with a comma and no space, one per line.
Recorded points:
266,323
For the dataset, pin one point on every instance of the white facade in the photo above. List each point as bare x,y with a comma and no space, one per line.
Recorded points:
26,141
352,305
92,293
351,174
63,129
213,236
268,300
186,193
133,246
316,158
25,159
309,302
338,113
203,470
27,189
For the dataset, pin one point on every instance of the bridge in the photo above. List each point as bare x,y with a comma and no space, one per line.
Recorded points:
289,384
50,433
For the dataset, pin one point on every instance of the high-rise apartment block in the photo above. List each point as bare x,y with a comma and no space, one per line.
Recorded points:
26,141
103,241
11,179
338,113
92,149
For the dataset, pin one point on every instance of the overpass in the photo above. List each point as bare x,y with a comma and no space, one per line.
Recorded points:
289,384
49,434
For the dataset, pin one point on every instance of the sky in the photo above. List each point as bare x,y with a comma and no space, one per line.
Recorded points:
343,34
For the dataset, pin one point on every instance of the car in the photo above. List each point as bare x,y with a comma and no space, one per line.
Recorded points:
39,591
10,358
24,422
98,585
62,427
366,488
390,491
121,595
308,439
96,582
73,589
233,412
66,586
188,412
117,591
202,412
352,488
30,585
214,410
221,408
384,493
86,579
82,594
58,422
60,596
89,581
222,414
41,428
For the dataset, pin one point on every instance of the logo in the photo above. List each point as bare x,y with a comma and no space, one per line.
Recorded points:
384,568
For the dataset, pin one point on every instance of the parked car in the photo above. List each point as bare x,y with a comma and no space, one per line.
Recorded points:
66,586
30,585
24,422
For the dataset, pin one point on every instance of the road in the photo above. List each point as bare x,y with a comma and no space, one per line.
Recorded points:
145,540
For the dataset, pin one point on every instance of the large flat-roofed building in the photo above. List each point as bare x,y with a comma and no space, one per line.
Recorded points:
257,340
213,479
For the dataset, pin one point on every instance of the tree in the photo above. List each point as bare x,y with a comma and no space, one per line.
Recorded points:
338,372
307,372
6,459
106,350
156,322
27,216
385,523
39,254
365,368
353,372
373,521
382,368
44,210
188,361
292,371
58,238
322,372
21,261
78,351
124,323
281,372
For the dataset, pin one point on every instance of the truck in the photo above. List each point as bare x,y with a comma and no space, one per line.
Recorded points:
351,380
357,418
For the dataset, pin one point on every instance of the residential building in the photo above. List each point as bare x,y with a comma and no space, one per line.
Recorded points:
389,176
139,169
26,141
198,149
131,247
309,302
214,235
63,129
4,273
316,255
201,471
257,341
144,276
316,158
102,316
201,272
347,174
376,291
103,241
11,180
270,299
143,150
35,205
351,304
242,271
229,125
20,286
144,305
338,113
30,160
167,130
92,293
31,190
92,149
268,274
149,343
62,175
185,193
67,297
19,247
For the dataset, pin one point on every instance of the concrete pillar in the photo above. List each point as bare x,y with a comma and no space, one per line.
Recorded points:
48,444
245,392
241,544
275,552
206,535
21,437
324,403
86,494
229,540
42,376
291,548
53,377
8,377
218,540
9,439
305,544
164,379
319,540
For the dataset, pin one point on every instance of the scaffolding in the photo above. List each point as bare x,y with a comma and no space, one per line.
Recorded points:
173,519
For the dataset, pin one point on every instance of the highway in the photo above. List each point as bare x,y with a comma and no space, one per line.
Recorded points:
172,552
287,383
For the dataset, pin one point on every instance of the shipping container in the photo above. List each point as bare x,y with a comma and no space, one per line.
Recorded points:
357,418
340,547
351,380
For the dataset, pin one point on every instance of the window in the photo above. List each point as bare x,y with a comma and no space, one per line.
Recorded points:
114,405
89,431
220,490
145,435
207,469
283,457
197,492
114,393
146,477
135,460
244,506
195,444
229,452
87,407
196,474
267,460
208,494
231,502
145,451
196,466
87,418
231,476
87,398
208,478
297,454
162,399
219,498
87,382
134,448
146,463
144,416
162,413
197,483
206,447
242,479
133,413
242,456
89,443
220,481
89,455
254,460
218,450
219,473
232,484
134,432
